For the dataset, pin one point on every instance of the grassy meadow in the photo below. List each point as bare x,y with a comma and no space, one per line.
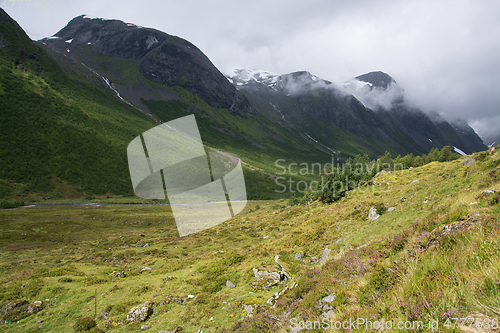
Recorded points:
434,256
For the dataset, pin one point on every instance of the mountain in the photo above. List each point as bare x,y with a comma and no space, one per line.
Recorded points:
159,57
72,102
68,113
382,120
60,136
379,91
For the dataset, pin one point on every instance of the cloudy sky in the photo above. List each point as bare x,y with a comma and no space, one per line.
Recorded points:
445,54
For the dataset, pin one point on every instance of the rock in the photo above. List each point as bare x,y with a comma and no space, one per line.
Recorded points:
248,308
271,278
40,321
269,275
142,269
35,307
120,275
229,284
469,162
328,299
328,314
140,312
488,192
283,273
299,256
390,209
324,256
372,214
144,327
273,299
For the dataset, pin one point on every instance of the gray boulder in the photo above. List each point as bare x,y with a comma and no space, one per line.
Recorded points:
324,256
140,312
372,214
299,256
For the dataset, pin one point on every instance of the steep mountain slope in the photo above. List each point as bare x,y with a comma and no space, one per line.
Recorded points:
159,57
60,136
338,119
380,92
65,132
169,77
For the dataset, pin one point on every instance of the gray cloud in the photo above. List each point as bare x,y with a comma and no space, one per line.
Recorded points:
444,54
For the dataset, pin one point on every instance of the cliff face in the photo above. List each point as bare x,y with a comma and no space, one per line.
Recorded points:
159,57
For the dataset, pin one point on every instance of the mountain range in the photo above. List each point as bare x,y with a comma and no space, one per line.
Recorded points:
72,102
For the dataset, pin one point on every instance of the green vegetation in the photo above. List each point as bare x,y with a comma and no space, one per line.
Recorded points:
433,256
335,181
61,136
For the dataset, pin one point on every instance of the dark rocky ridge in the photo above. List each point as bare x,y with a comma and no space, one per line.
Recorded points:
305,99
161,58
378,79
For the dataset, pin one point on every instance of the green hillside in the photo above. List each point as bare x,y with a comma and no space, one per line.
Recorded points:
432,255
60,136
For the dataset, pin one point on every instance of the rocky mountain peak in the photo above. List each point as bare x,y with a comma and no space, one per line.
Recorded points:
160,57
377,79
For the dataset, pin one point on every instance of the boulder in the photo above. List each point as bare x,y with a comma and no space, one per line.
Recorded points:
299,256
248,308
140,312
372,214
229,284
328,299
468,161
324,256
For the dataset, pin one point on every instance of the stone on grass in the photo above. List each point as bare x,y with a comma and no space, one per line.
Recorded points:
140,312
299,256
372,214
328,299
229,284
324,256
248,308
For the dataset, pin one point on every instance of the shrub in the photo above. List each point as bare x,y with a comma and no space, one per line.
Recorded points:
85,324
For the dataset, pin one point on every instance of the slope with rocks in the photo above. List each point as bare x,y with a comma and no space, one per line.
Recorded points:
432,254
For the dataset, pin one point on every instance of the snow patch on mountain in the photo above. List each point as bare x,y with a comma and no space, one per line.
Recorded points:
246,76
